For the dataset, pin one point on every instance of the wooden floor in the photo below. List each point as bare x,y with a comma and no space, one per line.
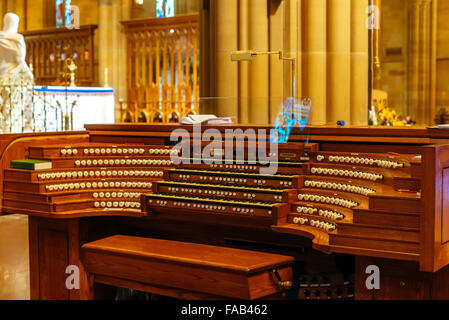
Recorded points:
14,264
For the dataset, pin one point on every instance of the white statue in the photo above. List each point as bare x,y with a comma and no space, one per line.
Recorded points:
13,51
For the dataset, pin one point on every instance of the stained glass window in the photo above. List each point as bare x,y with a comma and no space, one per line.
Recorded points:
63,13
165,8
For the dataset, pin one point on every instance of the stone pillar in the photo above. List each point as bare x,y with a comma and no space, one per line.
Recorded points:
296,41
376,45
425,63
226,14
423,43
104,40
2,13
359,63
277,74
339,82
112,46
259,71
433,62
243,67
315,58
415,25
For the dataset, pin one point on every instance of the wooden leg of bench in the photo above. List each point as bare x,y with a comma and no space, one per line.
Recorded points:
55,246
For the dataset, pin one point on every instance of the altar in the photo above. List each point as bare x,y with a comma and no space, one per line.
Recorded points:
57,108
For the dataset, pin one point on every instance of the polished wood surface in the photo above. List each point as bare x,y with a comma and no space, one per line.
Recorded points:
15,146
370,193
241,274
14,258
434,220
162,69
208,257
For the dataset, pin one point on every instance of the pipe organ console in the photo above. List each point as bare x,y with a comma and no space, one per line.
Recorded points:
340,199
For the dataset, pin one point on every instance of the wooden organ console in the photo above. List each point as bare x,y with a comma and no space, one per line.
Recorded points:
342,199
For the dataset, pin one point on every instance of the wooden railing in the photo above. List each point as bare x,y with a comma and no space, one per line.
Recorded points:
49,49
162,69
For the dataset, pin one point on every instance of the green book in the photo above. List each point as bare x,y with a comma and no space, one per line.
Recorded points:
31,164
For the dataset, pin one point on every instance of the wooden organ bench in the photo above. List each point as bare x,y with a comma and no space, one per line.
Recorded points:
341,200
186,270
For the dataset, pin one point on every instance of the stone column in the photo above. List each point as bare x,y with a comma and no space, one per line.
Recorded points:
226,14
315,58
339,82
359,63
259,71
296,41
433,62
414,67
423,42
377,45
104,40
425,63
2,13
227,71
278,76
243,67
112,46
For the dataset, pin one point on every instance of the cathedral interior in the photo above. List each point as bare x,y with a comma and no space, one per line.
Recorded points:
100,99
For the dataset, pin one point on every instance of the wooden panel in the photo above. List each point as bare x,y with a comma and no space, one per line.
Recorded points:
14,146
54,245
47,50
162,69
53,261
376,244
387,219
360,290
374,232
199,268
434,252
445,207
440,289
398,288
375,135
211,257
398,205
118,139
399,280
33,240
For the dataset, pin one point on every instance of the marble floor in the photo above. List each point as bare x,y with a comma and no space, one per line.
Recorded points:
14,267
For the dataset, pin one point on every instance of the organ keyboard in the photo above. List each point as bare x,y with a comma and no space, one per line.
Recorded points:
86,178
338,193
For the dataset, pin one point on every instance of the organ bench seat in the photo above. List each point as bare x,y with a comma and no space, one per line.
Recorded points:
185,270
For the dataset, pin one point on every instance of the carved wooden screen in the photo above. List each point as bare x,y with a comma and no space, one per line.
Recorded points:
162,69
48,51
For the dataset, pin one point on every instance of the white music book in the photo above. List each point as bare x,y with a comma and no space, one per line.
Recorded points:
206,119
